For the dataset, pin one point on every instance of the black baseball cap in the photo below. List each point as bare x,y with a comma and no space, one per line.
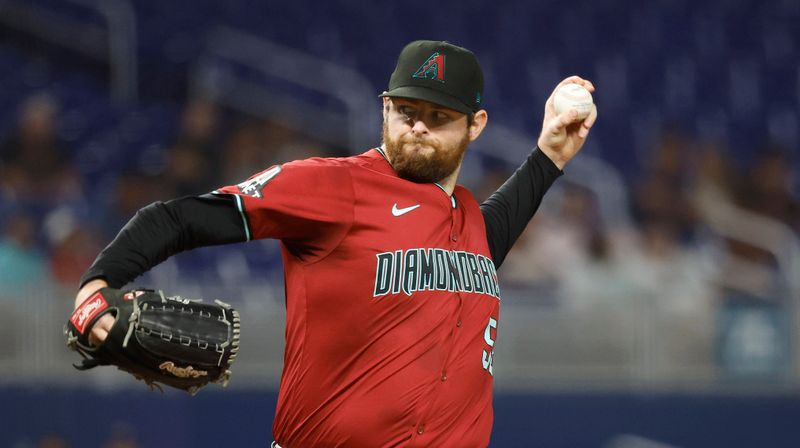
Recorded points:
439,72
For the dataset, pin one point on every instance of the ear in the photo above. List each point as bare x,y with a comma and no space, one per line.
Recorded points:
385,107
478,124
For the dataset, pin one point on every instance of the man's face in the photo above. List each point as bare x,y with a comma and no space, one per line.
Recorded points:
424,142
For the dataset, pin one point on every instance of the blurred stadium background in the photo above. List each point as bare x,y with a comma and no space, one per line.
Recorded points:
653,302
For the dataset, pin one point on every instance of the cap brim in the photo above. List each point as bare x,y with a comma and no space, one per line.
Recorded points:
426,94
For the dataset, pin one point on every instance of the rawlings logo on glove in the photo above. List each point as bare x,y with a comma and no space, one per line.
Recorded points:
88,310
168,340
182,372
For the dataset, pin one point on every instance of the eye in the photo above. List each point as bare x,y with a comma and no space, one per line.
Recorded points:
407,111
441,117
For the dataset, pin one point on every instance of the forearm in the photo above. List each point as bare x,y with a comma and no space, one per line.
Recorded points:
161,230
509,209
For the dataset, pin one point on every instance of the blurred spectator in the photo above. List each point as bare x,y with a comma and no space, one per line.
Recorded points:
715,180
244,154
21,263
35,161
193,161
555,242
598,279
662,194
73,246
767,188
133,190
282,144
648,285
732,206
73,255
256,145
743,214
676,277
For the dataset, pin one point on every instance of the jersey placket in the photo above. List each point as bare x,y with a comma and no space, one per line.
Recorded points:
456,223
418,435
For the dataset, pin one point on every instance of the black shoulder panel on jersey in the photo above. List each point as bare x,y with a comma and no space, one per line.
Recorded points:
163,229
507,211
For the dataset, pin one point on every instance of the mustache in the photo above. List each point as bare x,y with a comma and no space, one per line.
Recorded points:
417,140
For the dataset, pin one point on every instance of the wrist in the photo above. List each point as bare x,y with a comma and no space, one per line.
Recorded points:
554,156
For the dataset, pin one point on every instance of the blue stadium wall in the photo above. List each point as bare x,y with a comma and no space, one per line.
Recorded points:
87,418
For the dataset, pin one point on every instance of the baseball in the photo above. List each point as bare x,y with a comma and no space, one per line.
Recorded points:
573,96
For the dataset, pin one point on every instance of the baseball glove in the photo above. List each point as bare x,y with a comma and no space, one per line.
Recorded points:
168,340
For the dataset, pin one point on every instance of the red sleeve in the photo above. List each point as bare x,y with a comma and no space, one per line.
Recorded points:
307,204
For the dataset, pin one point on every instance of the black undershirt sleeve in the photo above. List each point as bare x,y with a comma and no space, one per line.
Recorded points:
163,229
507,211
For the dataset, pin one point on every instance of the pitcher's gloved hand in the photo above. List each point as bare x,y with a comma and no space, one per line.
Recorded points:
158,339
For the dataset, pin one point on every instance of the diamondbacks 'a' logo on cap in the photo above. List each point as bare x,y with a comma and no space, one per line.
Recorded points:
433,68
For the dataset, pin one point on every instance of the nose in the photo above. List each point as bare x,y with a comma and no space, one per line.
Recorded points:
419,127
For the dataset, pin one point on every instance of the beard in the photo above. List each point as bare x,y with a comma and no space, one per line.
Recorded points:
423,168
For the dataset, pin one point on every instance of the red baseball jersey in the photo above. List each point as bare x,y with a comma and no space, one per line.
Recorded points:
392,305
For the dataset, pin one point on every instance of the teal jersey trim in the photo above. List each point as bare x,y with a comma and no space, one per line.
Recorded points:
452,198
240,206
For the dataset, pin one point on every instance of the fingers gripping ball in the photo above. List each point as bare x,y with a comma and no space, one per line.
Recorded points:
573,96
158,339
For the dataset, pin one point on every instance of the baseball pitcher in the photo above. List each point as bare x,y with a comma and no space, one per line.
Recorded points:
392,295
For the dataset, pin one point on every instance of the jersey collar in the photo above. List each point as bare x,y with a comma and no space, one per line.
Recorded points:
452,197
380,151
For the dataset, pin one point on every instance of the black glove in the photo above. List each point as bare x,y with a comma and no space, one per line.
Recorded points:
181,343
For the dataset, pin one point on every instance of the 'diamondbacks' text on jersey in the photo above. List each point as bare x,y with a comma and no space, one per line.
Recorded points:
392,304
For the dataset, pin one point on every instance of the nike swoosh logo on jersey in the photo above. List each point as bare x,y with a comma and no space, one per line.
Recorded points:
402,211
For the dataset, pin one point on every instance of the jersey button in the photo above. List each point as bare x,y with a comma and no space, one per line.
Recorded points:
420,429
458,323
444,376
453,237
